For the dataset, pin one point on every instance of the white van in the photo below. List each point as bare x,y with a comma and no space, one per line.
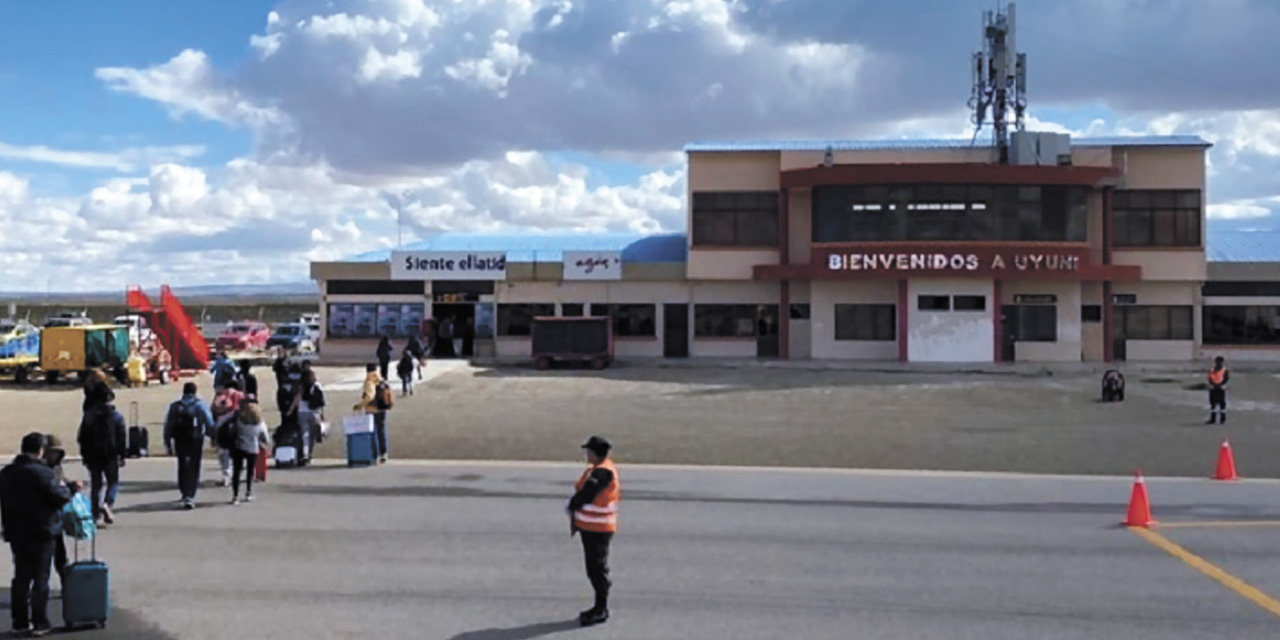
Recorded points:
139,331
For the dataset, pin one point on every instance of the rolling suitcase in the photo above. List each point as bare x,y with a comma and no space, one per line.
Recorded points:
139,439
85,595
260,467
361,450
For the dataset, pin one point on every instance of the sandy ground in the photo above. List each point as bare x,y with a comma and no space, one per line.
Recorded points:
756,416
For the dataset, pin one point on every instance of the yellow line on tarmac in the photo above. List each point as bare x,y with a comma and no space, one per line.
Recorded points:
1220,524
1227,580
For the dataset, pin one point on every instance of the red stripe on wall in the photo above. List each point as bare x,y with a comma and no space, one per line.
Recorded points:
903,335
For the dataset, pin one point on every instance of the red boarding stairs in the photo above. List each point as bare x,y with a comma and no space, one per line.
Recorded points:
171,324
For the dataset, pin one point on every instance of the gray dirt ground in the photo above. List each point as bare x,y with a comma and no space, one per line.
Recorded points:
790,417
481,551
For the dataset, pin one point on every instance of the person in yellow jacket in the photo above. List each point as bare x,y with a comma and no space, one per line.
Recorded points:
593,512
1218,379
376,400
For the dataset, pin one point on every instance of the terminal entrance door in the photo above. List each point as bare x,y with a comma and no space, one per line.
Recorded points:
675,330
1008,333
767,331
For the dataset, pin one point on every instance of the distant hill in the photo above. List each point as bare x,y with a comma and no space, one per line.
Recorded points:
208,294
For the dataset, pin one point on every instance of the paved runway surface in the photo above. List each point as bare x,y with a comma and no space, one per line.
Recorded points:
481,551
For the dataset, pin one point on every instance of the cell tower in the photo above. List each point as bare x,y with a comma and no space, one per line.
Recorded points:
999,79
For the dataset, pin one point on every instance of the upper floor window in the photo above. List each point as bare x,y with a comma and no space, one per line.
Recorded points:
1156,218
949,213
735,218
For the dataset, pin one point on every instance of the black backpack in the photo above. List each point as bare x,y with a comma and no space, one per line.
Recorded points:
189,423
382,397
227,433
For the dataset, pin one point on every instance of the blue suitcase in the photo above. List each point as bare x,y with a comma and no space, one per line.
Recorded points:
362,450
85,597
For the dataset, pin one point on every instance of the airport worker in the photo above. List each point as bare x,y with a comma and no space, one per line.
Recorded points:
1218,379
593,512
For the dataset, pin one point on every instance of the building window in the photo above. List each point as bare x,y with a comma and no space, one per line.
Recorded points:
1247,325
1036,323
517,319
1091,313
1157,218
735,218
1241,289
571,309
871,322
725,320
933,303
1155,322
630,320
970,303
394,320
949,213
799,311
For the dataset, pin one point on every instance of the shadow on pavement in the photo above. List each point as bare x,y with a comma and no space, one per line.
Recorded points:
519,633
123,624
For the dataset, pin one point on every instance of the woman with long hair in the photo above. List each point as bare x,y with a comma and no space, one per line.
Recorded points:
250,435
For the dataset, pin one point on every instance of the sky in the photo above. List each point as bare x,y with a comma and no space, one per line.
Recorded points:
189,143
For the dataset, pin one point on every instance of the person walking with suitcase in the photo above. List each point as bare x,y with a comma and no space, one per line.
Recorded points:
31,501
250,437
376,400
103,439
186,426
593,512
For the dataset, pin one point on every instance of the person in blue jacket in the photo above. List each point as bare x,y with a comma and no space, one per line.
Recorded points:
186,426
223,370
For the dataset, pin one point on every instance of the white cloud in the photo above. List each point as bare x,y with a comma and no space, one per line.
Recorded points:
455,107
126,160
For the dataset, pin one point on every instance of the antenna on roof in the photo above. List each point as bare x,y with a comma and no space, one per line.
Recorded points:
999,79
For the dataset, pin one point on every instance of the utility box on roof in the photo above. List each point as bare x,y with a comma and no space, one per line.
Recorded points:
1040,148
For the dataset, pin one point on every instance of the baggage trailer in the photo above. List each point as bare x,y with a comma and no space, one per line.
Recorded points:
20,352
585,339
65,350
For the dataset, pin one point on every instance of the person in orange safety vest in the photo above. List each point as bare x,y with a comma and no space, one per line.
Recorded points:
1218,379
593,512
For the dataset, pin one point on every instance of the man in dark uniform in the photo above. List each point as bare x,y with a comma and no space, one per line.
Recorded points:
1218,379
593,512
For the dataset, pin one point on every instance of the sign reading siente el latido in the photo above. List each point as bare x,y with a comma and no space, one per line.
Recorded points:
448,265
961,262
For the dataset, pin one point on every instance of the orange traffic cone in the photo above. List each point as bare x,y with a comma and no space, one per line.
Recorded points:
1226,463
1139,505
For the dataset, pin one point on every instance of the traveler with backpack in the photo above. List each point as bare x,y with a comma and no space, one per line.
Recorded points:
249,437
223,370
224,407
248,381
309,403
186,426
376,400
103,440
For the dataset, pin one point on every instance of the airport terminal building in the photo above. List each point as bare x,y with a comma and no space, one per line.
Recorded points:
1091,249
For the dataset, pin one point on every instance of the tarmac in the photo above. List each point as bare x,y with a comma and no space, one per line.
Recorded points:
482,551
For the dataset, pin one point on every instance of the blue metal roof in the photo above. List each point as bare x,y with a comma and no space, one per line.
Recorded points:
541,246
926,143
1261,244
